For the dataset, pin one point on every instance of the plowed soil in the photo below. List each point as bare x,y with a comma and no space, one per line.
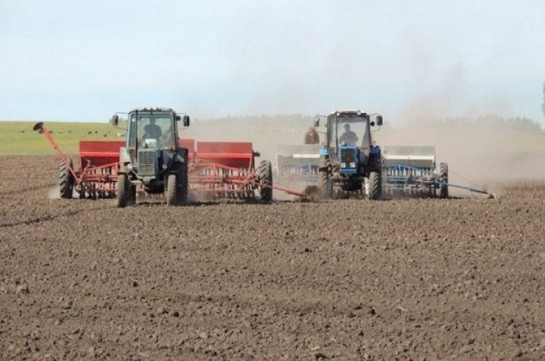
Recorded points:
424,279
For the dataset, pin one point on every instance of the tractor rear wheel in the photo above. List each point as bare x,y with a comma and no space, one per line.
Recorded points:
375,185
66,180
123,186
172,187
443,178
265,181
324,180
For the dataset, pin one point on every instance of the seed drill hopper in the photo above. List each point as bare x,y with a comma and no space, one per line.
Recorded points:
411,171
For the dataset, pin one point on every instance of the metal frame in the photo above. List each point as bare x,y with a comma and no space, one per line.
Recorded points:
91,180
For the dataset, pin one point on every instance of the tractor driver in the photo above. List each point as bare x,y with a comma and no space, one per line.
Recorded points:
152,131
348,137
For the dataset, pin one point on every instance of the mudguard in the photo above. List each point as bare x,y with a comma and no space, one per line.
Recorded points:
180,156
124,159
374,163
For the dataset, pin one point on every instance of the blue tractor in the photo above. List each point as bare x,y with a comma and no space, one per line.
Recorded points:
349,162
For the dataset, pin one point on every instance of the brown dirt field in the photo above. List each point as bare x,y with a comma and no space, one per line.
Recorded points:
428,279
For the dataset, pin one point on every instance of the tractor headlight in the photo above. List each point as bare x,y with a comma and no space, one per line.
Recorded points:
352,164
343,165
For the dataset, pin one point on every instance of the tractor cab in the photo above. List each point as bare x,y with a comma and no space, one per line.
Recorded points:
349,139
151,155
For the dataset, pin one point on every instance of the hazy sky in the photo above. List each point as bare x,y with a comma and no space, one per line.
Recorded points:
84,60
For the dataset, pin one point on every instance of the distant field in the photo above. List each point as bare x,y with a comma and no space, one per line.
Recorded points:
18,138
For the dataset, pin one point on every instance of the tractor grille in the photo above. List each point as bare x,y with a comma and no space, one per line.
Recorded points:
147,160
348,156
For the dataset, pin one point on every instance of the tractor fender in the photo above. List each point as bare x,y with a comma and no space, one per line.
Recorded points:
124,160
374,162
181,156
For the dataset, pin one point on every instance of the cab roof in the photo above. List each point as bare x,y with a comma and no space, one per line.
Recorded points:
153,109
352,112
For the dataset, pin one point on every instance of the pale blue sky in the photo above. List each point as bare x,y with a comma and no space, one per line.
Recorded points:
84,60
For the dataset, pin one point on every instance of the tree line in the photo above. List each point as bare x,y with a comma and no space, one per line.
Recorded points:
494,121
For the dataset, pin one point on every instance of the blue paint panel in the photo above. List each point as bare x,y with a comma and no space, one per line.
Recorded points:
348,170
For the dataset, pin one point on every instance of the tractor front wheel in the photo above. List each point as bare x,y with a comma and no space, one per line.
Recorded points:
131,194
324,180
123,185
265,181
66,180
172,187
375,185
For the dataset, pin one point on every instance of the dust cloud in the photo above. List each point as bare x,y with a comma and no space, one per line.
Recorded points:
478,137
265,132
53,193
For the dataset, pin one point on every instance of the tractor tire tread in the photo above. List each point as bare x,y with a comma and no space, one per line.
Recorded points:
182,181
443,178
266,178
323,178
375,185
66,181
123,186
171,189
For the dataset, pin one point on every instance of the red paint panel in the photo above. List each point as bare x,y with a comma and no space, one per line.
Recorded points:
99,152
229,154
